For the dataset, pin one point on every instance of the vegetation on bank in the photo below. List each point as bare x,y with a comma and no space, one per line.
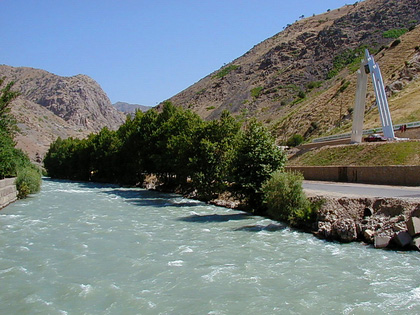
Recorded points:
372,154
187,154
13,162
286,200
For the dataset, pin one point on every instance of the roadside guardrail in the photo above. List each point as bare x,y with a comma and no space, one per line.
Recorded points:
365,132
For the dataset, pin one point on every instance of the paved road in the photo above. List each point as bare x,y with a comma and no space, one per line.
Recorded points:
351,189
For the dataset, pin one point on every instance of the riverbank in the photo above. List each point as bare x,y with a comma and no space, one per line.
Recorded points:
382,222
8,192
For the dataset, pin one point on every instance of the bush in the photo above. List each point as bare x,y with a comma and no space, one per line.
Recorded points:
286,200
256,92
394,33
294,140
28,181
225,71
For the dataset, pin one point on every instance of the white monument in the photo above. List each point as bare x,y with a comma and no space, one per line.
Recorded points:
370,66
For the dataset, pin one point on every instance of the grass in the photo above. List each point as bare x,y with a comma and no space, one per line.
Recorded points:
393,153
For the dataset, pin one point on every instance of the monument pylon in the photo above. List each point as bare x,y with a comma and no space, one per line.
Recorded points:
369,65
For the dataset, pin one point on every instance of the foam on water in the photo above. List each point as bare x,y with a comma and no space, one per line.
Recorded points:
87,248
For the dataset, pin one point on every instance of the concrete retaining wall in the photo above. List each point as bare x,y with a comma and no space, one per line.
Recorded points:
382,175
8,192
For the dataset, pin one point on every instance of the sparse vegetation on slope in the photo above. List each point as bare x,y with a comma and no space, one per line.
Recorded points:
304,75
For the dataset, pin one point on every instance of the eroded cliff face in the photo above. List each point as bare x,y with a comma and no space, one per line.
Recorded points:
52,106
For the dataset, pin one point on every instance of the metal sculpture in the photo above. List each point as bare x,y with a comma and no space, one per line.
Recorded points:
370,66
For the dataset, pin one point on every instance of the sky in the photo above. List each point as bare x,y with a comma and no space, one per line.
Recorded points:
141,52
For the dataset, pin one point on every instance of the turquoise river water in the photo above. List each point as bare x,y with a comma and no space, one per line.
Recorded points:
81,248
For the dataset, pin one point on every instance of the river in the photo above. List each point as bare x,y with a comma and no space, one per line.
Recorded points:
82,248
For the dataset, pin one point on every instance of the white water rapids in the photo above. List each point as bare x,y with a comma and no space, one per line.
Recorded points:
82,248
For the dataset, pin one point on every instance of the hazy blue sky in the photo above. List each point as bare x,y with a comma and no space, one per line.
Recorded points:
141,51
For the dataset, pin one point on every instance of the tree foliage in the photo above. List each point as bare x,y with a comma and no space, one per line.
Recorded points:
176,145
254,159
13,162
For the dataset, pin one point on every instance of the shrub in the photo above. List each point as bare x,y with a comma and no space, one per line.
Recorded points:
225,71
286,200
314,84
394,33
256,92
294,140
301,94
28,181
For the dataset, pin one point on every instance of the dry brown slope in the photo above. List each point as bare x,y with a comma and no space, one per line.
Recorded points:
331,109
51,106
270,80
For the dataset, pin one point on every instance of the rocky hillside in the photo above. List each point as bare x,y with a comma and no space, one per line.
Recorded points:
128,108
302,79
52,106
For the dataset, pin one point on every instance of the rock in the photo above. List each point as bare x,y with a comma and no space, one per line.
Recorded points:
345,230
381,241
324,230
413,226
369,235
416,243
402,238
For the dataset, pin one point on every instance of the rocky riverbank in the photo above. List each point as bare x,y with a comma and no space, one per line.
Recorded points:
383,222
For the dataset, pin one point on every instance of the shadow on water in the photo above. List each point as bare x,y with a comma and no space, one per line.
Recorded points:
136,196
144,197
258,228
215,218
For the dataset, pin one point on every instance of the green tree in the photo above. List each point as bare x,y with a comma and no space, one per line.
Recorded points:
209,161
254,159
13,162
104,148
7,121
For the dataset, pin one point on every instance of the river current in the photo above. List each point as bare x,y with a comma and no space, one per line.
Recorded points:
82,248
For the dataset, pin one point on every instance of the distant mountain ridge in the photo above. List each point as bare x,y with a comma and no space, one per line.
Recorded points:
128,108
302,79
52,106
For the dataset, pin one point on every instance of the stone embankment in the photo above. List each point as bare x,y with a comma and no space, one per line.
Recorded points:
8,192
383,222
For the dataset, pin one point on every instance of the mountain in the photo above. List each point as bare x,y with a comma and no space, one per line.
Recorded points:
50,106
302,79
127,108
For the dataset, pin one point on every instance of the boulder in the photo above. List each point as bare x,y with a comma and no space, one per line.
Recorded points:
416,243
369,235
345,230
381,241
413,226
402,238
